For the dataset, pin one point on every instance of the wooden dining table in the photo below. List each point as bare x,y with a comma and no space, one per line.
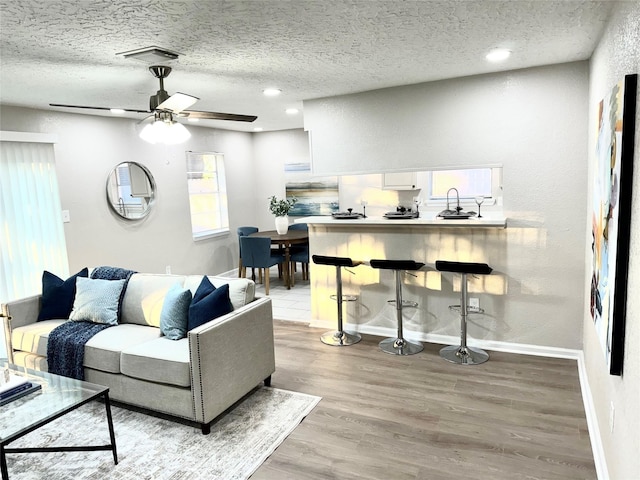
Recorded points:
285,240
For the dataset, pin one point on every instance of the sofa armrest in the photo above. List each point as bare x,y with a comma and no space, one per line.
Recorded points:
230,356
23,311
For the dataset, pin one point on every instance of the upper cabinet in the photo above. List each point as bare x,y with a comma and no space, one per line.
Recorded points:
400,181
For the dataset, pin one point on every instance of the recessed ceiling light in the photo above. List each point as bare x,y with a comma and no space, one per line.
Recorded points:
272,92
257,129
291,111
498,55
116,111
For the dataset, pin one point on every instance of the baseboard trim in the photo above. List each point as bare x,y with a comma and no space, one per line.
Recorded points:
520,348
592,421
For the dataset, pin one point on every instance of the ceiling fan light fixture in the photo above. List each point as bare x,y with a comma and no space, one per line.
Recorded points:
148,134
150,54
176,133
165,130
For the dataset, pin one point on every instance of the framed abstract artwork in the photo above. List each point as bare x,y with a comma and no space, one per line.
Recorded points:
315,195
611,218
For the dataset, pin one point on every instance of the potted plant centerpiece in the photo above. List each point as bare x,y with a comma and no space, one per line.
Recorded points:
280,208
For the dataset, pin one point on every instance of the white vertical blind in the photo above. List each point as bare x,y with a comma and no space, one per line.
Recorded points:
32,234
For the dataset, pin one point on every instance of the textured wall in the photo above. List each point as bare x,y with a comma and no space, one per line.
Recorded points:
539,258
618,54
271,151
88,149
480,120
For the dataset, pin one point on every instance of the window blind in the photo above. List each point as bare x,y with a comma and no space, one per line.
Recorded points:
31,230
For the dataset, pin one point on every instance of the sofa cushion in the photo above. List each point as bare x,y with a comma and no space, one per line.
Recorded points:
160,360
208,303
102,351
58,295
175,312
241,290
33,338
144,297
97,300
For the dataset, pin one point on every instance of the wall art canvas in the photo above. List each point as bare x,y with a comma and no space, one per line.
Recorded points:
316,195
612,218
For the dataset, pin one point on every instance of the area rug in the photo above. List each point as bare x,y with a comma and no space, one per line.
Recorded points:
155,448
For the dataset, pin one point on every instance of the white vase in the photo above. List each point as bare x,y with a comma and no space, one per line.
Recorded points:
282,225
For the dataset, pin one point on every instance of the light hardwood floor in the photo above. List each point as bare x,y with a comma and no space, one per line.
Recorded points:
420,417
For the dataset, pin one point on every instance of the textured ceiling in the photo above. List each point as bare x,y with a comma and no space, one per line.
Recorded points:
64,51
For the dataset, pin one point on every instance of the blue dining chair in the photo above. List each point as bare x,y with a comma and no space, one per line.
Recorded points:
299,253
257,253
243,232
299,226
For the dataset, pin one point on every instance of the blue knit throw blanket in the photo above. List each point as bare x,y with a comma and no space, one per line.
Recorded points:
65,346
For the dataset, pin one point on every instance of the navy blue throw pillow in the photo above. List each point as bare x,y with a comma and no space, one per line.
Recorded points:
58,295
208,303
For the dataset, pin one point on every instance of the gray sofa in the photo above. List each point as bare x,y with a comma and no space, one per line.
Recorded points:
195,378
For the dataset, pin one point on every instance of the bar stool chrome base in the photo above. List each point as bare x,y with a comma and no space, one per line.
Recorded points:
464,355
340,339
400,346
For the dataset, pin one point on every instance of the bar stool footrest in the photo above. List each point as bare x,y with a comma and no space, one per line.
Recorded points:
464,355
340,339
470,309
345,298
405,303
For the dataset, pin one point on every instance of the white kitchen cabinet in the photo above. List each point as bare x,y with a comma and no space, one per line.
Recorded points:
399,181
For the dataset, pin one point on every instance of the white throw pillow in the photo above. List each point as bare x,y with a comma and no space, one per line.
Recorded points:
97,300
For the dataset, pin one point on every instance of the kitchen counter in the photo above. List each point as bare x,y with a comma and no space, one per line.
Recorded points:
426,239
425,220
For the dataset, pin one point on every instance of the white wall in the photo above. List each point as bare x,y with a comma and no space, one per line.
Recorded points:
91,146
540,256
482,119
271,151
617,54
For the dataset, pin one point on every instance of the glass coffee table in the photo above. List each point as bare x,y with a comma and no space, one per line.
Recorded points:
57,397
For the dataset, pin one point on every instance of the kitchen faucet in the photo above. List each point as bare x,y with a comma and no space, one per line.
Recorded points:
458,208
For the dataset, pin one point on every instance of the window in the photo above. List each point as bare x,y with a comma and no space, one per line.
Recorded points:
470,183
207,194
31,229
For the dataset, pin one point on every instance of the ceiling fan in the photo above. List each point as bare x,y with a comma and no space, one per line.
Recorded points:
162,105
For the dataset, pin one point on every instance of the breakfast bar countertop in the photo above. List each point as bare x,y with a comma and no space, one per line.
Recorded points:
427,219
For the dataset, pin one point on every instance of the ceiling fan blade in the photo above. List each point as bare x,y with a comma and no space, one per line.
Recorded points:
217,116
177,102
97,108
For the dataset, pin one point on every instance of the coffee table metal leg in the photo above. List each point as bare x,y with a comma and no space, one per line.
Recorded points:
112,434
3,464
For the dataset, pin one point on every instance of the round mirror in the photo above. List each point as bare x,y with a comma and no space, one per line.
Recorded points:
130,190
